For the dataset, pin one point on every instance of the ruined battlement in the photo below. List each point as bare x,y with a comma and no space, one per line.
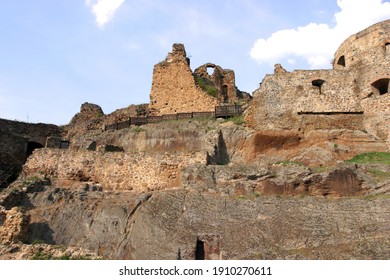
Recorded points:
368,47
359,82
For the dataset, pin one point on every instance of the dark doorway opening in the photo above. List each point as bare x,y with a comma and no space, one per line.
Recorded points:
199,250
65,144
31,146
225,94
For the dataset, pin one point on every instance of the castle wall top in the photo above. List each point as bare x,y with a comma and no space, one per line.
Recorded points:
367,47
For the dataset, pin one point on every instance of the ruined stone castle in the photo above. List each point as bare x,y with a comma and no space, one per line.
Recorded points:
210,188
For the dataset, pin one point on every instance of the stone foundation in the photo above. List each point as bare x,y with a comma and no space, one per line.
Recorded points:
112,170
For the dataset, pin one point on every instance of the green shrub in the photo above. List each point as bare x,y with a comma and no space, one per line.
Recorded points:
42,256
138,129
237,120
37,241
374,157
207,86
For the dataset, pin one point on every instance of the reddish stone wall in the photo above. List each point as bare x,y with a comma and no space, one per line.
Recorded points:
327,122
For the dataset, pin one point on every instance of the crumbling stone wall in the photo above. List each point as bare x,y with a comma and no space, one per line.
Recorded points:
13,225
113,170
359,82
91,118
224,83
282,96
17,138
174,89
124,114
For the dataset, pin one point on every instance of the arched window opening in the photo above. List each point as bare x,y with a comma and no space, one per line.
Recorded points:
341,61
318,83
210,70
381,86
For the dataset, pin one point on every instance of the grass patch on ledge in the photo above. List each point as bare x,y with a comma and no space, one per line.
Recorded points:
289,162
374,158
237,120
376,196
379,175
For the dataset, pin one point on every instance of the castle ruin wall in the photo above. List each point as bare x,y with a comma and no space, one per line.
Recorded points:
359,82
174,89
112,170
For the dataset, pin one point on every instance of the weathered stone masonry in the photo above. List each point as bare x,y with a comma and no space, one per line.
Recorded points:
113,170
19,139
173,88
358,82
176,89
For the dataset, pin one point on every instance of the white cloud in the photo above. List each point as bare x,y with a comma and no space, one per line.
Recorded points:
316,43
103,10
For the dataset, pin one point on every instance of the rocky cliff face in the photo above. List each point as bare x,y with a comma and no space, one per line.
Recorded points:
201,189
173,224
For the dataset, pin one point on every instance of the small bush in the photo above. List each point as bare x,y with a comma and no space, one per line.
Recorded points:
138,129
207,86
37,241
237,120
42,256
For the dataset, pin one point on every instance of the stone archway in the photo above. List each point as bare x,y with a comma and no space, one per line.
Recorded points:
31,146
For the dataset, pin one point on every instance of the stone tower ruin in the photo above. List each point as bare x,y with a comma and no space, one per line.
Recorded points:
176,89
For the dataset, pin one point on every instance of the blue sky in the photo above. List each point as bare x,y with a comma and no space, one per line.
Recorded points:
57,54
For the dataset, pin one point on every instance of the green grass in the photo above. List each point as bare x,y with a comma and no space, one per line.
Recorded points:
376,196
237,120
47,256
206,86
138,129
251,196
374,157
288,162
42,256
379,175
320,169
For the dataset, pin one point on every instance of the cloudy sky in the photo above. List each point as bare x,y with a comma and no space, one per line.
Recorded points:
57,54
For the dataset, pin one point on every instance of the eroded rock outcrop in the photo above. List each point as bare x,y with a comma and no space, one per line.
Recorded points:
13,225
169,224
